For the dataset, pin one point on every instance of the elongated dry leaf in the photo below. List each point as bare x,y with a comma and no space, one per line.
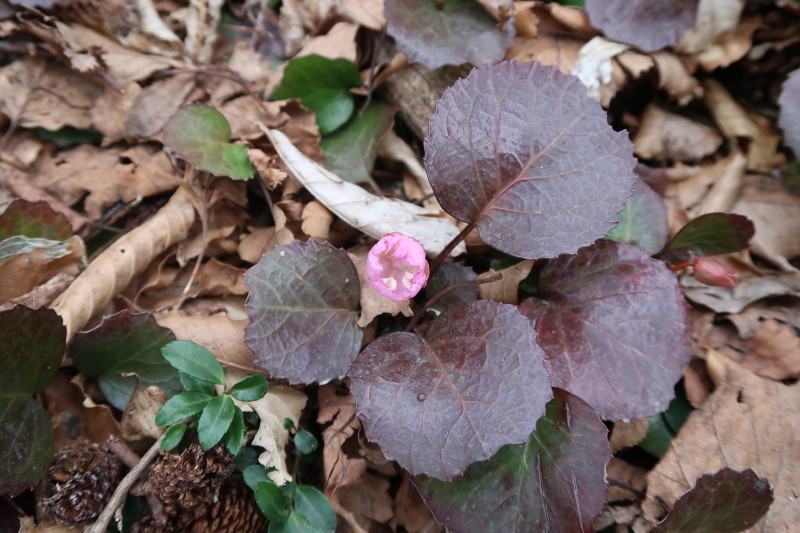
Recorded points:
113,270
374,215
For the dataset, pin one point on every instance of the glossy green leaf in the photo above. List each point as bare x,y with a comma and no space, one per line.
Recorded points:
201,135
323,85
295,523
194,360
173,436
305,442
711,234
254,474
272,501
234,437
314,507
181,406
217,417
250,389
191,383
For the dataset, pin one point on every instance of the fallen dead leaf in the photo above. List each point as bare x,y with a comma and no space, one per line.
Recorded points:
625,434
506,289
774,352
138,420
339,42
27,262
254,244
663,135
316,221
410,510
631,475
747,291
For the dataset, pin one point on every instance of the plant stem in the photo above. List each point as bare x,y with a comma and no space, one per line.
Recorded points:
451,246
438,296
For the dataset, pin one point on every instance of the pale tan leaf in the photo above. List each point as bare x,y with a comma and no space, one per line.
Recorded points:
663,135
506,289
21,272
316,221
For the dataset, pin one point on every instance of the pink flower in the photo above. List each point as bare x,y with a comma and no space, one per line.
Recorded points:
396,267
711,272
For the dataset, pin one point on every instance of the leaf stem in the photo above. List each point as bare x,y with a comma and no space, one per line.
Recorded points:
437,262
439,295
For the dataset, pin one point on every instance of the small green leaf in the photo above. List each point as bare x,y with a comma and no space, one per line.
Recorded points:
247,457
710,234
191,383
272,501
254,474
217,417
643,222
180,406
250,389
194,360
305,442
288,423
314,507
234,437
323,85
173,436
295,523
201,135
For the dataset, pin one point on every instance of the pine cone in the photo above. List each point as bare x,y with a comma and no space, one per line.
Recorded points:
236,511
79,482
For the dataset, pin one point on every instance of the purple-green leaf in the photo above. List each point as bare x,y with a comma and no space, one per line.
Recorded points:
523,152
727,501
460,32
789,117
125,343
649,25
473,384
554,482
447,276
36,220
32,343
643,222
302,308
201,135
614,327
710,234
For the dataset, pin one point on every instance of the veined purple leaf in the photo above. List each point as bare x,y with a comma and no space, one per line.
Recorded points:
460,32
643,222
649,25
523,152
302,308
614,327
473,384
447,276
789,117
555,482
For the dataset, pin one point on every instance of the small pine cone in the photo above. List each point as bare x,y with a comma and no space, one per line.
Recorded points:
80,481
236,511
189,480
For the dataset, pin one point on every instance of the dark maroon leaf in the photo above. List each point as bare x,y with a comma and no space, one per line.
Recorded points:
614,327
647,24
643,222
447,276
460,32
126,343
727,501
538,167
36,220
32,343
711,234
302,308
789,117
555,482
435,405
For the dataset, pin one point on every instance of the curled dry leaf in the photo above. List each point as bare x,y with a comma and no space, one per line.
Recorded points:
27,262
664,135
506,289
113,270
138,420
717,22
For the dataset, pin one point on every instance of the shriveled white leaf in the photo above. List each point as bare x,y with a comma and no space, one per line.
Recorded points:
593,66
374,215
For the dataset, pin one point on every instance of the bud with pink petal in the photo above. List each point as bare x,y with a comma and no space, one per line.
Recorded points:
711,272
396,267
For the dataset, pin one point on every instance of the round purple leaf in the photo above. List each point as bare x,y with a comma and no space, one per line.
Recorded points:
473,384
521,150
789,117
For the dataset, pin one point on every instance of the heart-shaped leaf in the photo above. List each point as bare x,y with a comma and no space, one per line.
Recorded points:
201,135
789,117
647,24
35,220
323,85
710,234
350,152
643,222
302,308
555,482
615,327
538,168
460,32
125,343
32,343
473,384
727,501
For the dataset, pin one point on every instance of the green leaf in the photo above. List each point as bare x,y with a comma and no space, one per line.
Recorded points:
314,507
711,234
201,135
173,436
194,360
179,407
250,389
34,220
350,151
272,501
643,222
70,136
125,343
296,523
191,383
217,417
254,474
234,437
32,343
305,442
323,85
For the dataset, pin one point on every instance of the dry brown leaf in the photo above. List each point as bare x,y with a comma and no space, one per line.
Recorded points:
696,382
253,69
302,18
726,188
28,525
663,135
316,221
748,422
152,107
691,191
368,500
631,475
20,184
675,77
339,42
410,510
254,244
372,302
267,168
625,434
21,272
138,420
774,352
42,295
506,289
747,291
113,270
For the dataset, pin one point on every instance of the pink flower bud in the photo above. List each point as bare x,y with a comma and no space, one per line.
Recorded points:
711,272
396,267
